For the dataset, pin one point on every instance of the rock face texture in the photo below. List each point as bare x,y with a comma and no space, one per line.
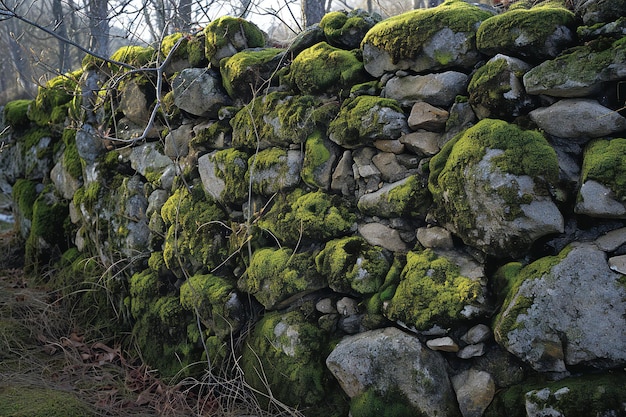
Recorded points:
415,216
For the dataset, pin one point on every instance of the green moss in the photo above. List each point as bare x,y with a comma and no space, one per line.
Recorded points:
314,215
238,32
244,73
411,199
358,122
88,195
195,51
20,401
278,119
316,155
53,99
274,275
232,168
391,35
24,194
339,25
351,265
604,162
16,113
373,404
135,55
501,32
431,292
326,69
195,240
71,158
580,396
524,153
168,43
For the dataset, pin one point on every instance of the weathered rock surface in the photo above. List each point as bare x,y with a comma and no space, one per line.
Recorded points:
199,92
438,89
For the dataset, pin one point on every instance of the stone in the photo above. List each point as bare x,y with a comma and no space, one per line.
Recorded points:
422,142
278,173
136,100
249,72
428,117
88,143
578,119
601,11
388,166
435,237
438,89
342,179
618,264
474,391
325,306
408,196
347,306
65,183
227,35
477,334
199,92
597,200
612,240
461,118
211,182
443,344
389,360
350,324
551,319
393,146
471,351
147,159
381,235
346,29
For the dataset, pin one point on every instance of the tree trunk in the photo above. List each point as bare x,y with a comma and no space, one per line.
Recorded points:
184,15
61,30
312,12
99,27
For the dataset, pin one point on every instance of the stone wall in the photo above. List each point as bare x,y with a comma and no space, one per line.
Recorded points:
423,215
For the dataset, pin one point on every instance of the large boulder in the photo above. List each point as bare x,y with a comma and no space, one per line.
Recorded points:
425,39
389,372
249,72
491,187
228,35
550,316
346,29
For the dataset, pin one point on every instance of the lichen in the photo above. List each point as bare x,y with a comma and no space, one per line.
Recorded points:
391,35
314,215
351,265
604,162
267,170
431,292
326,69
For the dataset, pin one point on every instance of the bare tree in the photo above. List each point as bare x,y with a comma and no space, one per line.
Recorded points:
312,11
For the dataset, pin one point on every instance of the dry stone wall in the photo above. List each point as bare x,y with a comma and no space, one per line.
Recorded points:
422,215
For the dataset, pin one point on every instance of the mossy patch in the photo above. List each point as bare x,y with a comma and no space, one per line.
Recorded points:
271,171
230,31
248,72
275,275
351,265
24,193
604,162
20,401
347,29
431,292
170,41
391,35
71,159
53,99
316,156
373,404
326,69
315,215
231,165
134,55
16,113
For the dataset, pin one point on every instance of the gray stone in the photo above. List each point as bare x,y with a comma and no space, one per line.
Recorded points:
477,334
435,237
618,264
177,141
393,146
211,182
197,91
428,117
599,11
380,235
612,240
389,168
347,306
147,159
438,89
597,200
389,360
325,306
283,174
474,392
342,179
422,142
65,184
134,103
443,344
578,119
471,351
88,143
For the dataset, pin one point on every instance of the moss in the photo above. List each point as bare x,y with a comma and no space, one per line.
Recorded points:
16,113
195,239
206,138
326,69
88,195
347,29
195,51
274,275
237,32
351,265
604,162
524,153
390,35
278,118
232,168
358,122
431,292
316,155
247,72
71,158
168,43
20,401
269,170
580,396
24,194
314,215
373,404
135,55
285,354
501,32
209,296
53,99
411,199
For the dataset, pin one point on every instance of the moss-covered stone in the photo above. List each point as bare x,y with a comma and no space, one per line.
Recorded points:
135,55
169,42
278,119
346,29
604,162
227,35
71,158
53,99
20,401
248,72
537,33
405,198
315,215
364,119
431,292
326,69
231,165
274,276
372,404
285,354
196,51
351,265
24,193
16,113
273,170
319,157
195,240
215,302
